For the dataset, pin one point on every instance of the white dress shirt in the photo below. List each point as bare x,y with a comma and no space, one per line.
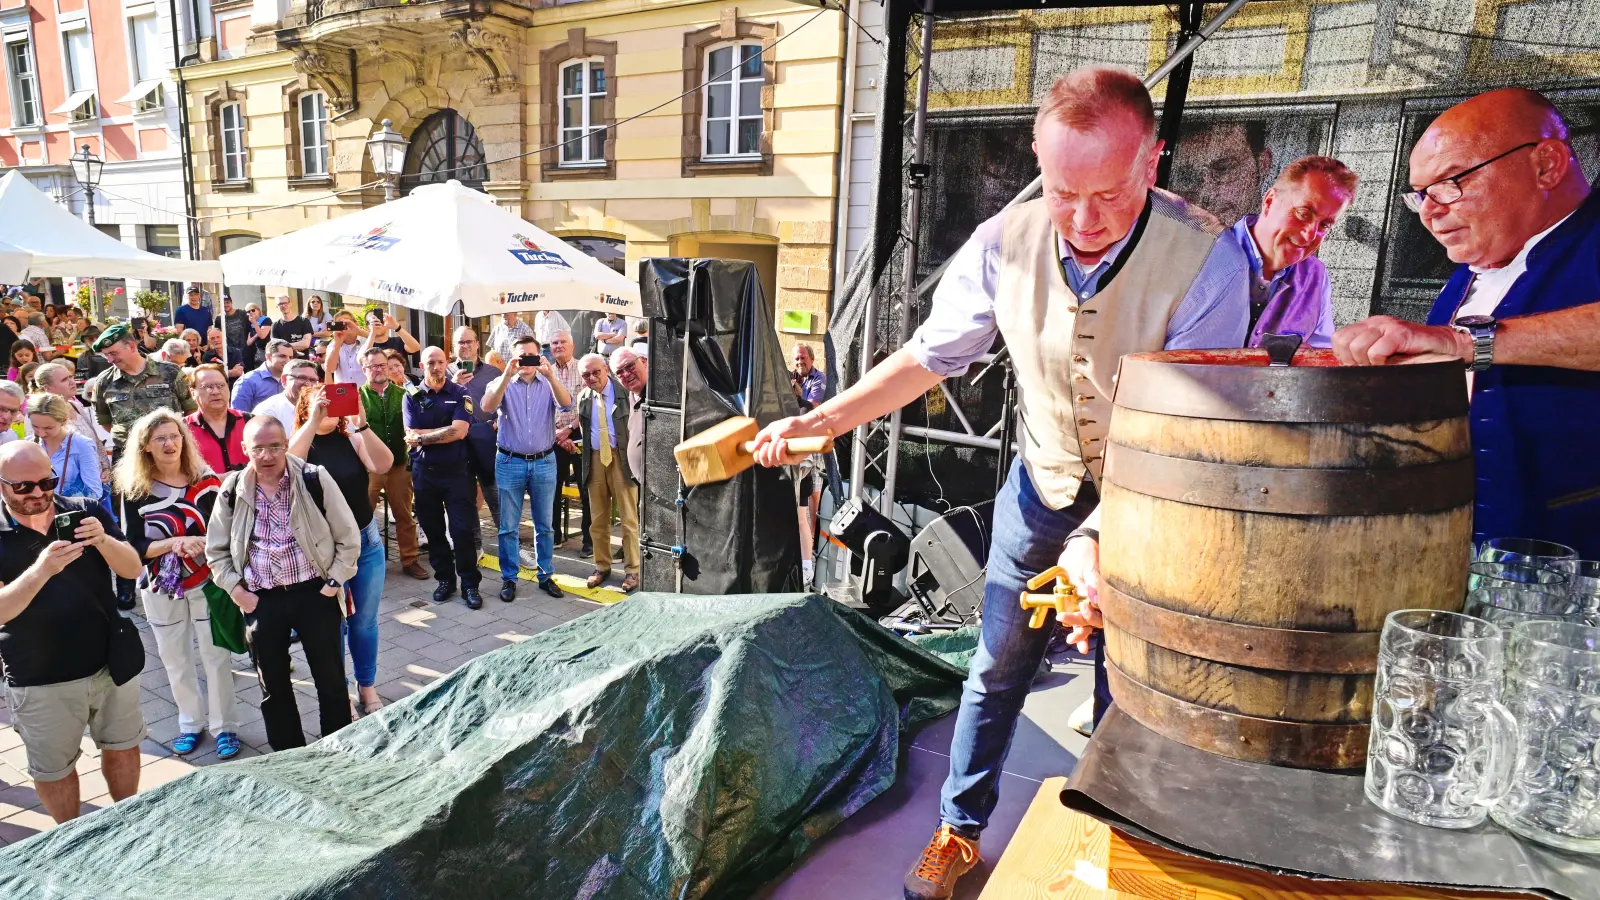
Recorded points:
1490,286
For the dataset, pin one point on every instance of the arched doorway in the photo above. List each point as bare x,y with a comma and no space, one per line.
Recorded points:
443,147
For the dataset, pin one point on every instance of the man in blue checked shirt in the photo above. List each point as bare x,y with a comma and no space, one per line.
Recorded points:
812,381
526,398
1104,264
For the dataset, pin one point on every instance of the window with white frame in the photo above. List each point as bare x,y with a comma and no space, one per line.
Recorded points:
313,134
734,79
147,93
23,81
583,133
231,123
81,104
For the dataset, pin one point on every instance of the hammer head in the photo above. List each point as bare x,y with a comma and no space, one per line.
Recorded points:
718,453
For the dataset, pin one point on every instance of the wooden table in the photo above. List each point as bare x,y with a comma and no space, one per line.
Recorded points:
1058,853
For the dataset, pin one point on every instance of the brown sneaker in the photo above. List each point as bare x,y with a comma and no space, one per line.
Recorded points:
947,857
418,571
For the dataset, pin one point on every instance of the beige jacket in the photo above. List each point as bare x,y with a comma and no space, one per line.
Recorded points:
331,543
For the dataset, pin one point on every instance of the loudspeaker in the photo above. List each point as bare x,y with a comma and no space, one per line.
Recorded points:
714,354
948,561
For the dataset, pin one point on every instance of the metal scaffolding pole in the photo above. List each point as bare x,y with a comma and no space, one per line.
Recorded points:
917,176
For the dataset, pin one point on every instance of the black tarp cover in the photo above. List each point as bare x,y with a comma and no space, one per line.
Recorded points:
666,747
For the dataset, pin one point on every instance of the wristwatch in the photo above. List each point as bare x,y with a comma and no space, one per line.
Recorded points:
1481,329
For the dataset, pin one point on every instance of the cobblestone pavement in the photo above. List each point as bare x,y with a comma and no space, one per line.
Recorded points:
418,643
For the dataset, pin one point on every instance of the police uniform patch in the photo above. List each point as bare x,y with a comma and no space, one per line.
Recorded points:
467,401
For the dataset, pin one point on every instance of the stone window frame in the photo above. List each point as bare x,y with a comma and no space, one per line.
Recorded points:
696,45
214,102
294,159
576,48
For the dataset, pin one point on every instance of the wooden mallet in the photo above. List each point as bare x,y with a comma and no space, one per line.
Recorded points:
723,451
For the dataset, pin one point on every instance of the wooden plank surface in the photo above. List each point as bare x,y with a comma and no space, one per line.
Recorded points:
1059,854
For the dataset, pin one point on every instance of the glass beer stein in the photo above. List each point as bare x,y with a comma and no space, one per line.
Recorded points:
1443,748
1552,687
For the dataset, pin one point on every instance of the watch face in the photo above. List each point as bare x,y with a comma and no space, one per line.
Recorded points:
1476,321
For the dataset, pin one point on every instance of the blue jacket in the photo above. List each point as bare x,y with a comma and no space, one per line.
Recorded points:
1535,429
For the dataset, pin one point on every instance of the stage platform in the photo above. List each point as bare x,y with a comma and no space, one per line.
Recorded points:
867,857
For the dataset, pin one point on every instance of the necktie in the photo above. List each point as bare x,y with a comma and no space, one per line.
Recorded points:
605,429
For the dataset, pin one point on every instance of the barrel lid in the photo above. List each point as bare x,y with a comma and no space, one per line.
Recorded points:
1239,385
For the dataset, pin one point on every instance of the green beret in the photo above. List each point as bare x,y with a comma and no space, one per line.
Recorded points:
114,334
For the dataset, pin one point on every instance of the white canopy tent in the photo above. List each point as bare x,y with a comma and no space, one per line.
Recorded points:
13,264
59,244
442,245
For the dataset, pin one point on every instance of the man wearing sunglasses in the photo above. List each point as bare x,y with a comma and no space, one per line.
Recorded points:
1496,182
57,609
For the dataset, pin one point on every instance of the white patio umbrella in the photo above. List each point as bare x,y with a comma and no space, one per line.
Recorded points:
60,244
440,245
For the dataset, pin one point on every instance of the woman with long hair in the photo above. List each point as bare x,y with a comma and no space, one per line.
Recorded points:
349,449
168,492
13,323
75,458
317,315
22,353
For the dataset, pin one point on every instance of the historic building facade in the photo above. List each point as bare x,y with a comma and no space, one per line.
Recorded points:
725,140
99,74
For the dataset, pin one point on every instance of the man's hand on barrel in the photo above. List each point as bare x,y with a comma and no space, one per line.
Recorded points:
770,449
1081,558
1384,340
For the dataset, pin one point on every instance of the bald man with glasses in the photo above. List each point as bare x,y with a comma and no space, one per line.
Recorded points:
1495,181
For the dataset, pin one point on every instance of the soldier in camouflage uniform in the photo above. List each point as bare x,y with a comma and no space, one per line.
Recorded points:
133,386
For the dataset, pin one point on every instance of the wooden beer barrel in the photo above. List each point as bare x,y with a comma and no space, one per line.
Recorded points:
1258,524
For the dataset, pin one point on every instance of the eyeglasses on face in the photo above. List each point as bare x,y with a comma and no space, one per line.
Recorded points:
266,450
1447,190
23,488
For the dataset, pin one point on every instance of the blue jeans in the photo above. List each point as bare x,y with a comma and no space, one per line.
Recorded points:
536,480
361,629
1028,537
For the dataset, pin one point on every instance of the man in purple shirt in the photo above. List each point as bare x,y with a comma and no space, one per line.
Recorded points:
526,398
811,381
1289,290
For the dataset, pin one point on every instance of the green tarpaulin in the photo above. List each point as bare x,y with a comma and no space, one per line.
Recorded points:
666,747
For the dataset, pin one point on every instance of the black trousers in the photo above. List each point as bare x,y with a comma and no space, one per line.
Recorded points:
569,469
446,505
302,609
480,445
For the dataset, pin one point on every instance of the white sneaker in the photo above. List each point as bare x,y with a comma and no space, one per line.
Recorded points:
808,569
1082,719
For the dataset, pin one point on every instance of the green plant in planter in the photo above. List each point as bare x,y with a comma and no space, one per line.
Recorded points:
152,302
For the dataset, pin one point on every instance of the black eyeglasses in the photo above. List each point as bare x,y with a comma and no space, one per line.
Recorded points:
23,488
1447,190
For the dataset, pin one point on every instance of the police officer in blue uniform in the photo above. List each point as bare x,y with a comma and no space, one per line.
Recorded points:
437,414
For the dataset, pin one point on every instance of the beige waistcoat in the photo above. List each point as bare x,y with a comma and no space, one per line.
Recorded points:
1065,350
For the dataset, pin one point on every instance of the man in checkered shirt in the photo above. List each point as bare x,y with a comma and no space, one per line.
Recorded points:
283,543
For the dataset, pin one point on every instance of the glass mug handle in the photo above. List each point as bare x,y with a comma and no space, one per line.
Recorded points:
1505,749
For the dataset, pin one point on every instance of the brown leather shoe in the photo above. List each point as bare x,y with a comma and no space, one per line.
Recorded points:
418,571
630,584
946,858
597,578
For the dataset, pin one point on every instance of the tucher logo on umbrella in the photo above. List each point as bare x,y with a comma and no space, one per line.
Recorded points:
375,239
529,254
612,300
517,297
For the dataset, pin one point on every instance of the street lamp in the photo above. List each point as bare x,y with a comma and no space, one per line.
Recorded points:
86,168
388,150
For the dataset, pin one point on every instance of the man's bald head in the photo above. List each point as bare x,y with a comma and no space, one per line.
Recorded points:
1510,200
262,430
23,461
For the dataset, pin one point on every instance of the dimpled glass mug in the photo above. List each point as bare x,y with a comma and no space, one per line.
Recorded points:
1443,748
1552,687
